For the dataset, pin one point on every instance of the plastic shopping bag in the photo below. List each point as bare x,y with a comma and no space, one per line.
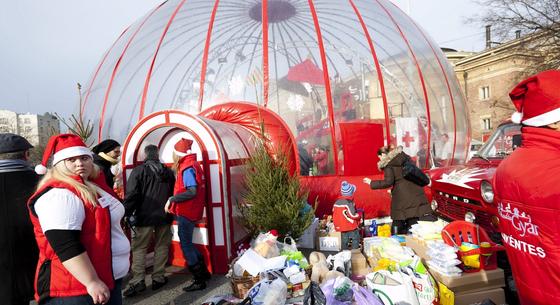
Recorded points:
362,296
425,287
314,295
392,287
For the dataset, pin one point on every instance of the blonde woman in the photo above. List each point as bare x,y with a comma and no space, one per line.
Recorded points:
83,252
187,204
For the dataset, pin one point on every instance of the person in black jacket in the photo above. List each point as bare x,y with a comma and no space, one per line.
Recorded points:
107,154
408,201
147,190
19,253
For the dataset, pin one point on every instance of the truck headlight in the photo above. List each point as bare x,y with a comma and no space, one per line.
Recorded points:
434,205
486,191
469,216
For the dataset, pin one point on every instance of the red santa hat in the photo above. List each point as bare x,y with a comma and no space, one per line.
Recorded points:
62,147
182,147
537,99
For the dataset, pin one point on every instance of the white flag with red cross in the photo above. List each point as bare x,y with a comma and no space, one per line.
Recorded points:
407,135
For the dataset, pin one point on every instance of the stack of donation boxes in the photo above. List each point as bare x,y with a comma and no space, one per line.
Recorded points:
455,286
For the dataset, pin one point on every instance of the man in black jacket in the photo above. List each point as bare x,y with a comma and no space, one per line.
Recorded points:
18,248
147,190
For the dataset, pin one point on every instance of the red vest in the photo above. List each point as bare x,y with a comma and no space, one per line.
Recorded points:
527,198
191,209
52,279
343,219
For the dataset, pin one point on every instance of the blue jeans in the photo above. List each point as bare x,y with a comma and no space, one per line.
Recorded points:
185,231
116,298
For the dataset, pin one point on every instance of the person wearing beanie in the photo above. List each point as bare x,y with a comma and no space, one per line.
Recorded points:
526,191
408,200
19,254
83,252
345,218
107,154
187,204
147,190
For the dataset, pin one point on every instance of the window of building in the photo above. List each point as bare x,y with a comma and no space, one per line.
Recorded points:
4,121
27,121
486,124
484,93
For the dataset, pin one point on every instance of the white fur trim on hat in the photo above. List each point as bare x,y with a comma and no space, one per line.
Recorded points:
544,119
180,154
70,152
40,169
516,117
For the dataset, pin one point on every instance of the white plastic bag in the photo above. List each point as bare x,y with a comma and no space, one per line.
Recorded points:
267,292
392,287
424,285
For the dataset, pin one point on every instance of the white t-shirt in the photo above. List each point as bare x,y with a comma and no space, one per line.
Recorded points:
60,209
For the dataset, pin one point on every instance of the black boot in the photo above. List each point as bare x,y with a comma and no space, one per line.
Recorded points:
200,275
204,273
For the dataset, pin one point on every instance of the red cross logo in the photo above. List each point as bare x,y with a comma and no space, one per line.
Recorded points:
407,139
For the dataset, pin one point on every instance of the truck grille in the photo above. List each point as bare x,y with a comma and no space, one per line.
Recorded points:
448,206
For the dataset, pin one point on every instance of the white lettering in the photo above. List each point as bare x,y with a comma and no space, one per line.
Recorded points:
523,246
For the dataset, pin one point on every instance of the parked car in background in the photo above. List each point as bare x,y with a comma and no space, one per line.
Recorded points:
464,192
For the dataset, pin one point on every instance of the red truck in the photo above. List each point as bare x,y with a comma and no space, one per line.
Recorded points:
464,192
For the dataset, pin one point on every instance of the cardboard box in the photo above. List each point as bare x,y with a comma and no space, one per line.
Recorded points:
330,242
419,246
307,239
470,298
470,282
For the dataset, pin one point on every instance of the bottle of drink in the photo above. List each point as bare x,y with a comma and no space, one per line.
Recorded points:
373,228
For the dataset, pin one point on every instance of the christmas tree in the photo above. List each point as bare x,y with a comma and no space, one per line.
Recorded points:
274,197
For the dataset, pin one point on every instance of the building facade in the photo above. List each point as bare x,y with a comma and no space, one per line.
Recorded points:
36,128
486,79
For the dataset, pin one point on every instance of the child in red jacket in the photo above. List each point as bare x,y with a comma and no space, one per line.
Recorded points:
345,218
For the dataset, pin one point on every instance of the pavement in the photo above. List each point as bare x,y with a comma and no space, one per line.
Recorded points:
173,294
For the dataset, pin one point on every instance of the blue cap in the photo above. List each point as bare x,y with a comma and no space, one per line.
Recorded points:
347,189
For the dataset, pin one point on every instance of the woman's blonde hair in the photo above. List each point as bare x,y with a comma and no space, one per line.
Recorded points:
176,159
87,190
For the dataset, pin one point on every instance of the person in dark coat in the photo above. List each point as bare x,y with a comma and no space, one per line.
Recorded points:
19,253
148,188
107,154
305,160
408,201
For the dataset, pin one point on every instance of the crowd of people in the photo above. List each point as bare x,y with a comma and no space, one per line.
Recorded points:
62,223
62,241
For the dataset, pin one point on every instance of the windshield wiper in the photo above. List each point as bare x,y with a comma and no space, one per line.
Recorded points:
481,157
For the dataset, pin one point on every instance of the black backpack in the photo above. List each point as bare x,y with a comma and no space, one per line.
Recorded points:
412,173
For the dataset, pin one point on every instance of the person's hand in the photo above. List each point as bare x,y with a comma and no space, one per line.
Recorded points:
98,291
167,206
367,180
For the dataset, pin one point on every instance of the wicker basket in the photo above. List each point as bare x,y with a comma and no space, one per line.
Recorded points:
240,285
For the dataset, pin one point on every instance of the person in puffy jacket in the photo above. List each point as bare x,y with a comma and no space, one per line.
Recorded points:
345,217
408,201
527,194
83,252
148,188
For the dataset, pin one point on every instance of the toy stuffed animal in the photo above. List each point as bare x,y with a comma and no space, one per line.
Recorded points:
320,266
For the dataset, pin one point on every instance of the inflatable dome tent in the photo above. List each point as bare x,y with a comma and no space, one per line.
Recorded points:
337,78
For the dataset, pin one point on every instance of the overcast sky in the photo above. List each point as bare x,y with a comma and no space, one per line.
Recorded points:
48,46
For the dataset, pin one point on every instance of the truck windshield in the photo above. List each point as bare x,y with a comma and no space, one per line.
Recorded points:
502,143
